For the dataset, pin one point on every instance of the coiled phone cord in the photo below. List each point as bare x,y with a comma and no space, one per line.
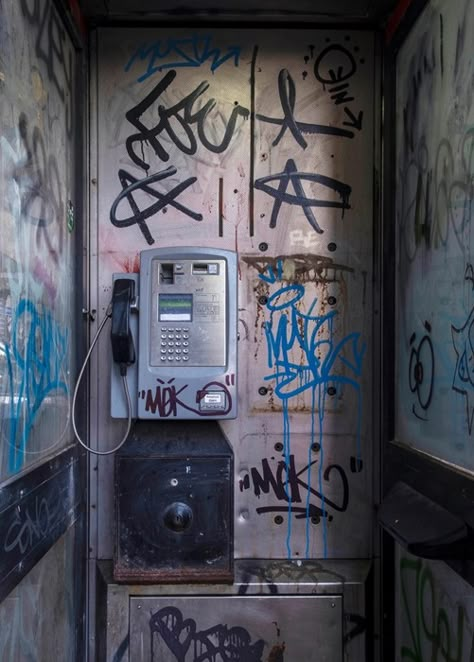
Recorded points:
108,315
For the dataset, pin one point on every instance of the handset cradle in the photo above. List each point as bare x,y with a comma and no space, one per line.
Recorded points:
123,348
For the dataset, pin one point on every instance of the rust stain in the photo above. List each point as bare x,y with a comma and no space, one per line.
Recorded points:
276,654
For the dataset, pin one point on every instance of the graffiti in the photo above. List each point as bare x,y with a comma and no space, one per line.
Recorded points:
28,529
131,186
463,382
39,181
436,203
286,485
291,175
36,368
191,51
220,642
269,573
166,399
324,367
296,329
54,49
429,624
421,370
287,92
334,67
185,114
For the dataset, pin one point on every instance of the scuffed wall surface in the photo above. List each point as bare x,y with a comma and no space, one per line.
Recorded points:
435,612
259,142
435,169
36,226
38,618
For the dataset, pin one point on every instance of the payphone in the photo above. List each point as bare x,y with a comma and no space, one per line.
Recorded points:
180,356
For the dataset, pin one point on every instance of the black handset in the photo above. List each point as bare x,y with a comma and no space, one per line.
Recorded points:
123,349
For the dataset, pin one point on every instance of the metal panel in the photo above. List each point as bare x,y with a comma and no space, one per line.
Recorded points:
242,628
276,579
34,512
435,302
261,130
434,611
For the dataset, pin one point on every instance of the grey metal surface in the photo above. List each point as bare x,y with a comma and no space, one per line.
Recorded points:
308,417
246,628
278,580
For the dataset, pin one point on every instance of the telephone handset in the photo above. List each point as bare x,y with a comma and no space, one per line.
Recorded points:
185,335
123,348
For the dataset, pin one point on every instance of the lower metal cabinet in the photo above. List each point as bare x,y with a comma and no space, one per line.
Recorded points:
244,629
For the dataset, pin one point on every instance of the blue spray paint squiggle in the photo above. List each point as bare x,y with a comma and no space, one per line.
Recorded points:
35,362
326,361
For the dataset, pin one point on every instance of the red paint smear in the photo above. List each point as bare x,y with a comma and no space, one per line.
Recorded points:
78,16
130,265
395,19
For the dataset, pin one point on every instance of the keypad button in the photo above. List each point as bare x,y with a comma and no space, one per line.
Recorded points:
163,358
185,336
171,351
185,358
170,336
185,351
170,343
163,351
178,330
178,343
163,335
178,336
177,358
185,344
185,329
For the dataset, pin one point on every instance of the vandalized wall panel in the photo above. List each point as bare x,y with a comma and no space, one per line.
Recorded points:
39,618
37,62
258,141
435,301
435,611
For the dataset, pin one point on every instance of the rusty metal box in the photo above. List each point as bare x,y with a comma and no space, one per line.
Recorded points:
174,504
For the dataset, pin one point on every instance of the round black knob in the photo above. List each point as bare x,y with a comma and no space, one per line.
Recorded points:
178,517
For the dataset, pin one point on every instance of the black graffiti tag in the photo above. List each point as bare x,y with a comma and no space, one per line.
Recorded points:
217,643
421,371
131,185
291,175
182,114
287,92
286,486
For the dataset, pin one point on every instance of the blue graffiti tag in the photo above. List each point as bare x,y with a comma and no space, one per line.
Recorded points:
188,52
326,366
35,362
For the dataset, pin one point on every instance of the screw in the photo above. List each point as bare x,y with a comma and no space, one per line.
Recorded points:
263,300
315,447
278,446
332,301
278,519
315,520
332,247
332,390
263,246
263,390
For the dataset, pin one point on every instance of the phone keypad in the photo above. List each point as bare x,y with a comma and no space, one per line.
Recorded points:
174,344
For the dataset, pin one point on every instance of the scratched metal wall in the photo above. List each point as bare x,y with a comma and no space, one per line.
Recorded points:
36,226
39,618
435,611
435,166
260,141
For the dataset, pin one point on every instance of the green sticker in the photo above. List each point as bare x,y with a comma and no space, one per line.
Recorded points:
70,216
